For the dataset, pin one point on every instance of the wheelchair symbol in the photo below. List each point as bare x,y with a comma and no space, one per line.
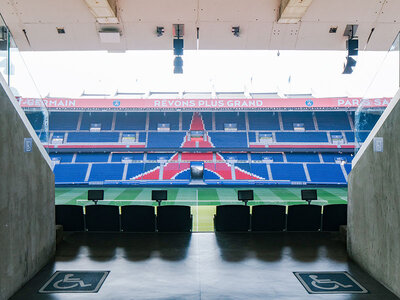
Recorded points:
73,282
329,284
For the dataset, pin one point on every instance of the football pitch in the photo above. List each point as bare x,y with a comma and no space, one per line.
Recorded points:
202,200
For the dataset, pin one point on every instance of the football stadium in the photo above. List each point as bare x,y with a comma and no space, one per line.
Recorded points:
170,149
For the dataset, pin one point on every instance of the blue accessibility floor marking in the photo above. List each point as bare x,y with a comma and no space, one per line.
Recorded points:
330,283
74,282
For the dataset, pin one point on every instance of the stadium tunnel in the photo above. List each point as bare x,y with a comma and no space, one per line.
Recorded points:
133,194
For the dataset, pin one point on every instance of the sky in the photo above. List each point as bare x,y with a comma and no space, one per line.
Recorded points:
69,74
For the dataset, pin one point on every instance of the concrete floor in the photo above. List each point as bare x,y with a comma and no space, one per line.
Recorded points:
202,266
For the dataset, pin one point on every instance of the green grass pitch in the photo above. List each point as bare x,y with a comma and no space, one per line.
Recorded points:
202,200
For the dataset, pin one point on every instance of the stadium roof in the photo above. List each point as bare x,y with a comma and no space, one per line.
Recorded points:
264,24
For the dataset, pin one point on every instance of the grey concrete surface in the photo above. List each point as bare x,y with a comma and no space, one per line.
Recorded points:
209,266
374,203
27,229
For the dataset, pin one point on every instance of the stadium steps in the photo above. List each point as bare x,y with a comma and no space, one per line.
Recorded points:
89,169
280,121
78,126
344,172
125,172
315,121
306,172
114,118
269,172
350,121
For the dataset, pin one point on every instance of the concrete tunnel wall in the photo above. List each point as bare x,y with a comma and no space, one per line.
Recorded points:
374,202
27,226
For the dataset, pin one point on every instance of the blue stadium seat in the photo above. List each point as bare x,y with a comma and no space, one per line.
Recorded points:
93,137
302,137
142,137
292,172
277,157
332,120
326,173
70,173
64,157
236,156
103,118
186,120
134,170
130,121
92,157
347,167
117,157
157,156
252,137
207,120
63,120
350,136
330,157
263,121
209,175
288,118
228,139
230,117
171,118
101,172
185,175
259,170
165,139
302,157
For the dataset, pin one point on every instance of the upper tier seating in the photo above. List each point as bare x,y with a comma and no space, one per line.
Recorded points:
302,157
63,120
72,173
326,173
130,121
288,118
230,117
292,172
302,137
103,118
366,120
92,157
207,120
165,139
186,120
263,121
229,139
93,137
101,172
171,118
333,121
36,119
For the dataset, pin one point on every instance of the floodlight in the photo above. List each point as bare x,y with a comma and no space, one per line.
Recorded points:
349,65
